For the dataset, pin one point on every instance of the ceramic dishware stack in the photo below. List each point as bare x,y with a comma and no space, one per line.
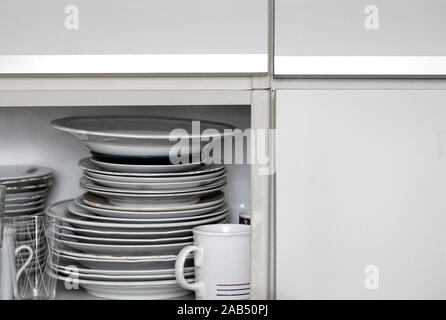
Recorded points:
27,189
120,239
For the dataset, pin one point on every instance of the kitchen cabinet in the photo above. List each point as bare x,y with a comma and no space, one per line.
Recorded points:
28,104
138,37
360,194
400,38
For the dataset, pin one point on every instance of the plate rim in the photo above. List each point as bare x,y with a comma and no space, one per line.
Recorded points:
127,226
87,215
108,212
221,198
85,161
49,172
62,124
209,180
154,193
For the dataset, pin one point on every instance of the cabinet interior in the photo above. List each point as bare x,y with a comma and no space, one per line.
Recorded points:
28,138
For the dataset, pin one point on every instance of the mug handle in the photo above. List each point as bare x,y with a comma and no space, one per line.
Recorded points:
197,286
28,261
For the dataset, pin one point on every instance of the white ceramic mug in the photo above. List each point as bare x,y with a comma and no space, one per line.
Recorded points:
8,273
222,255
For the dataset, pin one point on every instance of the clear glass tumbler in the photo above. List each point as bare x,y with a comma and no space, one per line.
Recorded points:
32,241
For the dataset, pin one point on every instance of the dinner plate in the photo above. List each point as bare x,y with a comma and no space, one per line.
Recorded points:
145,215
137,202
120,263
88,165
23,211
206,201
20,188
60,210
145,168
131,290
166,268
18,198
153,185
91,186
23,205
138,136
143,201
128,234
146,180
128,249
86,239
78,211
18,173
102,277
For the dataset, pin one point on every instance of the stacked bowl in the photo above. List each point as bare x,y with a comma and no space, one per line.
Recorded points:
120,239
27,188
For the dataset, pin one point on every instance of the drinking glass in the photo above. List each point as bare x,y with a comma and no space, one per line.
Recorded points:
32,241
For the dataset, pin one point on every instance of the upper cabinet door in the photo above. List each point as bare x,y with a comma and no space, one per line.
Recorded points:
133,36
360,38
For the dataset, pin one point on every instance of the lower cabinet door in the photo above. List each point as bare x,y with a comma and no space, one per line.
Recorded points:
361,194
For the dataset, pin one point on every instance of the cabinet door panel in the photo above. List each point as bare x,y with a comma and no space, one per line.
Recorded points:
359,37
221,32
361,182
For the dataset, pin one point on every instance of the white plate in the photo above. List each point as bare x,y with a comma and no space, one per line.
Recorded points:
136,136
17,198
129,249
78,211
23,205
89,185
25,210
120,263
60,210
131,290
145,215
144,168
20,188
138,201
19,173
146,180
166,268
101,277
87,165
128,234
154,185
85,239
204,202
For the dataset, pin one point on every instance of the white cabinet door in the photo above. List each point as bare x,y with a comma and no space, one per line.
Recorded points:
360,37
137,36
361,194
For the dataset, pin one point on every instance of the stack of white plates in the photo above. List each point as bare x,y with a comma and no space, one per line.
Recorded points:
123,277
138,209
27,188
